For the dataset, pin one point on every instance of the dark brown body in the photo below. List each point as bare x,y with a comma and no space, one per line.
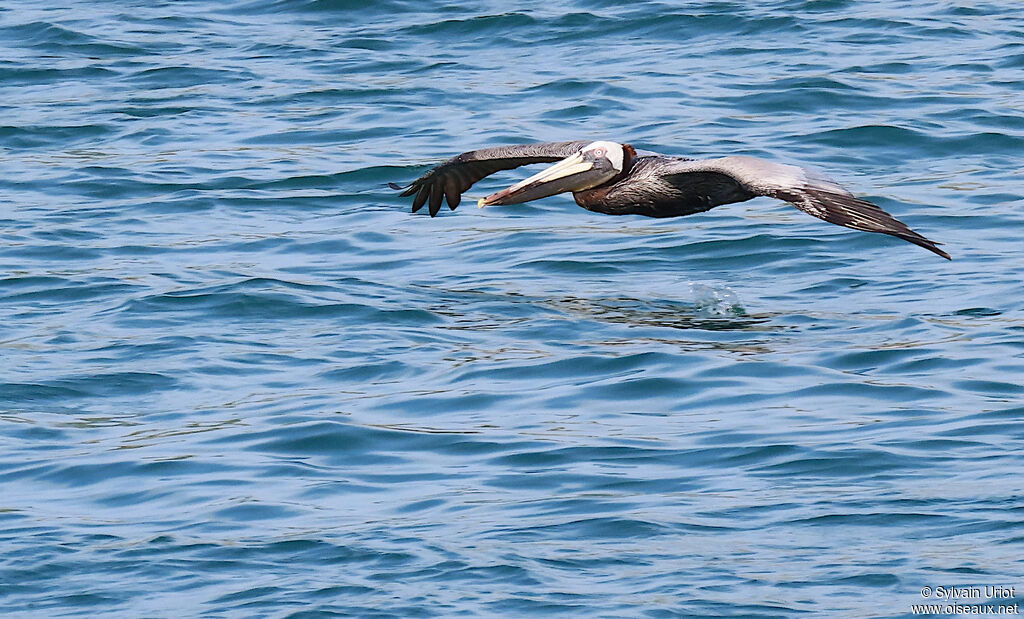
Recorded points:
643,188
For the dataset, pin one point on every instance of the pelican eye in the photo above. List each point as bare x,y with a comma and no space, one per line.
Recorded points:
599,152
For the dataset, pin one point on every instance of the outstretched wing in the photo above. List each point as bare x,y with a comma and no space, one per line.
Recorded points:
453,177
810,192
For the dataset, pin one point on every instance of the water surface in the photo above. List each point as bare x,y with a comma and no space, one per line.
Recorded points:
239,378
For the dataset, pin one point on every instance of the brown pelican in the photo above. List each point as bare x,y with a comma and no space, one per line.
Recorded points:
608,177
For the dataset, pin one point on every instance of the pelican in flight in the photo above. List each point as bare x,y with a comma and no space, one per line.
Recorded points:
612,178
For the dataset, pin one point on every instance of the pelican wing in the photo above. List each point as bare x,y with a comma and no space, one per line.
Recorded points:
453,177
808,191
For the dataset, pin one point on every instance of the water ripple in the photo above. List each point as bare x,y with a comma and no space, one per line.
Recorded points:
239,377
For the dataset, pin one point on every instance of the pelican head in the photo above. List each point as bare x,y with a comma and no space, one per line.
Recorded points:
595,164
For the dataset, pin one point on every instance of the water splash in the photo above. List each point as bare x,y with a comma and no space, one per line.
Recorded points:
716,301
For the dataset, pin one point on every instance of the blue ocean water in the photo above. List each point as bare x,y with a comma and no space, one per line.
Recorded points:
239,378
